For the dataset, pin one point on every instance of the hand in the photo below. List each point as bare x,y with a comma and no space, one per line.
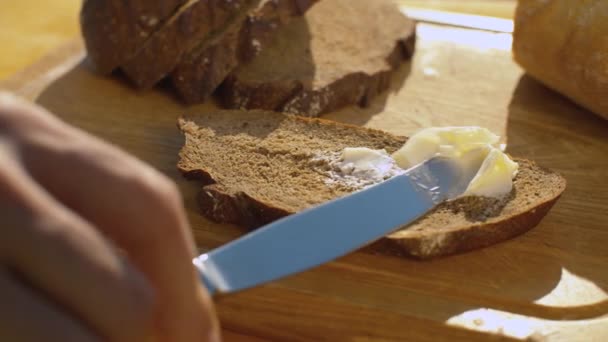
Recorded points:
95,244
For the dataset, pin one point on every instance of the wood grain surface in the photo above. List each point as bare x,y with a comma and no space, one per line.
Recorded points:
548,285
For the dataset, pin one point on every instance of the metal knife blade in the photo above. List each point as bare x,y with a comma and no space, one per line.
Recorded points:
328,231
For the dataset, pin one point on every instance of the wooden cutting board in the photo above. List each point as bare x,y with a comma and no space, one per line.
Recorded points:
551,283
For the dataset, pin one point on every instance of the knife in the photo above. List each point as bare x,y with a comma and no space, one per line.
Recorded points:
331,230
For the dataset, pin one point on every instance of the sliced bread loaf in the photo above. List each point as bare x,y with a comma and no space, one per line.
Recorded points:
258,166
114,30
202,70
341,52
195,24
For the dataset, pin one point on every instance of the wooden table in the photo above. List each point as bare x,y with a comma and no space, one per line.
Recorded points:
549,284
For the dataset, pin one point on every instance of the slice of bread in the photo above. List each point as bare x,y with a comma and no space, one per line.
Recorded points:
202,70
341,52
197,23
114,30
258,166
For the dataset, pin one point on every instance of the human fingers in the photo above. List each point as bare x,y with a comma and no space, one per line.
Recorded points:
133,205
64,261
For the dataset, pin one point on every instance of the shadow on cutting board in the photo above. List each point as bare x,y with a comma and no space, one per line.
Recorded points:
143,124
510,276
359,116
548,128
566,253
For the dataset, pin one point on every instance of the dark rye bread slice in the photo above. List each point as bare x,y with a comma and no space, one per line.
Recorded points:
257,166
202,70
195,24
342,52
114,30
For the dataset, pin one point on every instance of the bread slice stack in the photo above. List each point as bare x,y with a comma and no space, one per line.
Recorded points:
150,40
115,30
273,165
299,56
204,68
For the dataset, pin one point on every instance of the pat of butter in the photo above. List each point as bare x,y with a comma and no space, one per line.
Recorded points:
445,141
495,176
467,145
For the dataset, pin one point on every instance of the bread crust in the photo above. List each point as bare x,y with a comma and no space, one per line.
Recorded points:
243,210
428,246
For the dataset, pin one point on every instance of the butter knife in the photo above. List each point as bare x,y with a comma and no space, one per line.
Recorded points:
328,231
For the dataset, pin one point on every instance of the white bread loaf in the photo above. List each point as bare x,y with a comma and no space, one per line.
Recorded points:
564,44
